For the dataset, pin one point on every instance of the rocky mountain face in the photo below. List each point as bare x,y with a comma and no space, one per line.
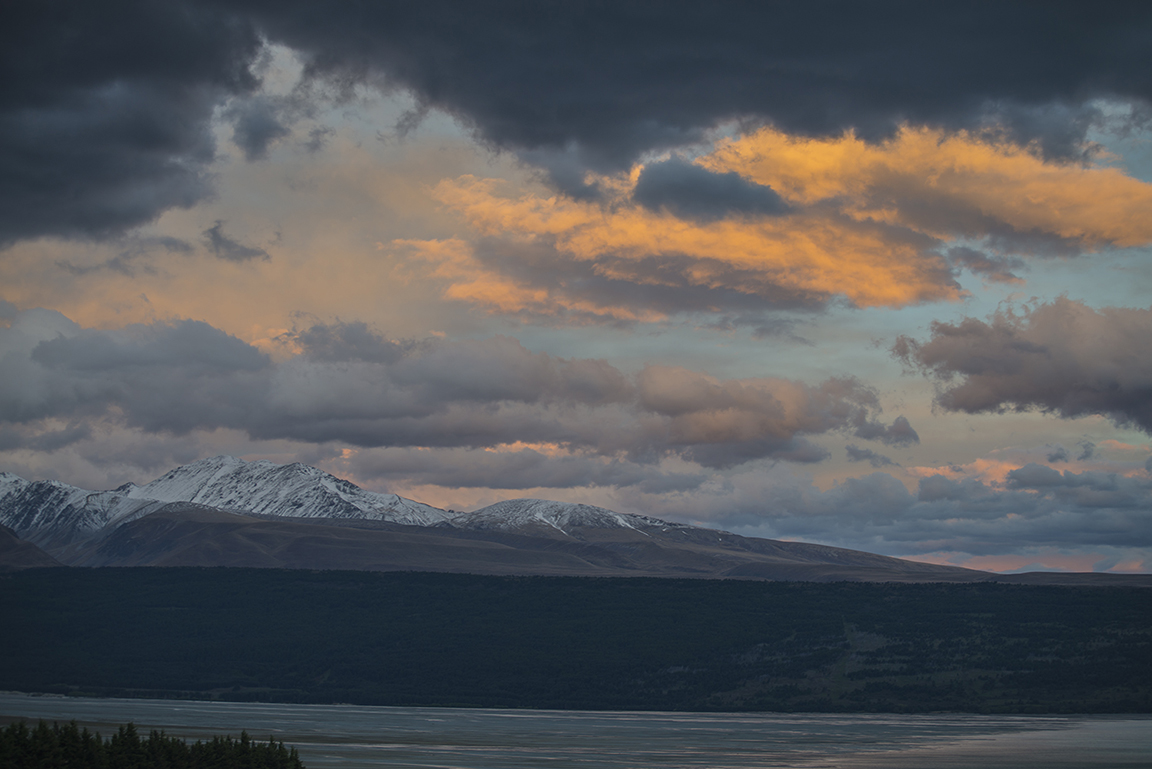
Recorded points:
224,511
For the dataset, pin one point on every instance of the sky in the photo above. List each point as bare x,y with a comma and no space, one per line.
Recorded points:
872,275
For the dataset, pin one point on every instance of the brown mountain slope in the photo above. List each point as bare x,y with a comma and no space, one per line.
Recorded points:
15,553
184,534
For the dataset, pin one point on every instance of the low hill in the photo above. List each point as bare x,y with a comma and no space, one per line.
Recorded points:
15,553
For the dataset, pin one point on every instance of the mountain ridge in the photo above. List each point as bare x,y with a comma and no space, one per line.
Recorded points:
224,511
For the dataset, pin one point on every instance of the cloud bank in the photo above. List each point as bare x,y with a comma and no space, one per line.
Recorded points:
349,385
1035,514
1063,358
492,416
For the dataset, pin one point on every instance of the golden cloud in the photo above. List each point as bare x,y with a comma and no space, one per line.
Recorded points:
946,185
866,224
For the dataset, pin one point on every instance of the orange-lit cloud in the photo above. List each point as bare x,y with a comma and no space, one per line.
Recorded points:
1115,445
1126,461
807,256
946,185
989,471
865,222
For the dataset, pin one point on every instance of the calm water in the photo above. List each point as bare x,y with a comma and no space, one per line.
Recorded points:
351,736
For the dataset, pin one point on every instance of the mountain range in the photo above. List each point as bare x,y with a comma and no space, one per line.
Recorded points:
224,511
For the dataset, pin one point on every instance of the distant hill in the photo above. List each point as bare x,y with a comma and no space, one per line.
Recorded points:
15,553
224,511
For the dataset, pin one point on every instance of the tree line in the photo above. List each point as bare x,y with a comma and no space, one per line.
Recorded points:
70,747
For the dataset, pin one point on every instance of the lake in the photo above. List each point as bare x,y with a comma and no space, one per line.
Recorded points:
351,736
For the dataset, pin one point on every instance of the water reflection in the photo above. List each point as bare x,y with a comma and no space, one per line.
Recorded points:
350,737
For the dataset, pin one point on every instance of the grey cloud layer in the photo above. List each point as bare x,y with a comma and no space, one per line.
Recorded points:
353,386
105,108
1036,508
1063,358
523,469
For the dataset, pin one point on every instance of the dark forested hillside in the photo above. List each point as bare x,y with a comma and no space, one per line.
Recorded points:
562,642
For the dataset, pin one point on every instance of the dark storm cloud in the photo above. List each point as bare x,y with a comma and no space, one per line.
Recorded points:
354,386
105,111
691,192
224,247
1063,358
105,108
613,81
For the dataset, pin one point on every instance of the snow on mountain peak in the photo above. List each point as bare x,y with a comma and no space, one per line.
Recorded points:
293,490
51,512
514,514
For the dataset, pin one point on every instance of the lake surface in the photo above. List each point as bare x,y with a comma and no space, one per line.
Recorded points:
352,737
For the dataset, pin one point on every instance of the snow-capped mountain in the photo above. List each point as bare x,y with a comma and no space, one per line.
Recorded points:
54,514
292,491
545,516
224,511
